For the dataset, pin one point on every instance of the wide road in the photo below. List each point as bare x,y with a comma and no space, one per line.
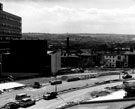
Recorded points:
67,97
37,93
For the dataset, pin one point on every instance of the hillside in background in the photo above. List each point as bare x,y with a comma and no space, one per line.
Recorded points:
83,40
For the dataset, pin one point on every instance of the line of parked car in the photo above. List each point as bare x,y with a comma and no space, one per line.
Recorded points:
22,100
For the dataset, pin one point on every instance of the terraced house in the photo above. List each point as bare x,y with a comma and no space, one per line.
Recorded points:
114,60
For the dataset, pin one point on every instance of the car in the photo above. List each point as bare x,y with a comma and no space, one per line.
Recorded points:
11,105
37,85
50,95
25,102
127,76
55,82
73,79
21,96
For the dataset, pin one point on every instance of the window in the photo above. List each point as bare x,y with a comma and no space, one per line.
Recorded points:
125,65
119,57
112,65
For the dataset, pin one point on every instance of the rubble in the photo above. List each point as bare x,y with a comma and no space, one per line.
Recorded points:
129,87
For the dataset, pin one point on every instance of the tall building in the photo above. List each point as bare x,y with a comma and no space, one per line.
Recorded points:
27,58
10,25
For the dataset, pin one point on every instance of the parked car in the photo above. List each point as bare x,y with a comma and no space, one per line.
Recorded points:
11,105
21,96
127,76
50,95
36,85
55,82
25,102
73,79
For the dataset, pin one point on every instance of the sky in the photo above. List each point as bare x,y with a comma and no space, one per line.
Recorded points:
74,16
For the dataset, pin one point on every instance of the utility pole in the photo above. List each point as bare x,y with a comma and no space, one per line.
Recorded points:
56,84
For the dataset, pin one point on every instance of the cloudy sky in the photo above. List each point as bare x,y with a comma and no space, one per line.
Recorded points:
74,16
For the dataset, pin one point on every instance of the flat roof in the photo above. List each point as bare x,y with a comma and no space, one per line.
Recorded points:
10,85
10,14
129,53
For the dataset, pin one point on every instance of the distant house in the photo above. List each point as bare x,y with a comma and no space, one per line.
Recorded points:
70,61
115,60
131,58
80,51
87,60
80,58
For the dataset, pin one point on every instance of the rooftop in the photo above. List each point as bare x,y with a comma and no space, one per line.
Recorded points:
10,85
129,53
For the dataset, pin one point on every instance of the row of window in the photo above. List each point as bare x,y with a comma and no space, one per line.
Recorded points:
110,65
10,26
9,32
10,18
9,38
119,57
114,65
10,22
112,60
110,56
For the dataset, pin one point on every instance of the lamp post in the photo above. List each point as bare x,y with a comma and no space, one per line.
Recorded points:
55,79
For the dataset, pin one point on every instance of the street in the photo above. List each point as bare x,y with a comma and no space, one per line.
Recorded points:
38,93
68,97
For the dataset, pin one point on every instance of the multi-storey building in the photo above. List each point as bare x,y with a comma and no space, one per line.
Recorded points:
115,60
26,56
10,25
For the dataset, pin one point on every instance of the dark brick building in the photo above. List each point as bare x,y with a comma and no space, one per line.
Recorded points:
26,56
131,59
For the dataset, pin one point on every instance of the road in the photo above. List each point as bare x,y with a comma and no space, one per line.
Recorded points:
67,97
37,93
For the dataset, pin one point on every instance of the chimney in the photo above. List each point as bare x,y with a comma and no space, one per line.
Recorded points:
1,6
68,45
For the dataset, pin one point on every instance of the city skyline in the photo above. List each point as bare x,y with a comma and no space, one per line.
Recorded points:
74,16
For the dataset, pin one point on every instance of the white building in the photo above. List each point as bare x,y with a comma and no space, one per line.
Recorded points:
115,60
55,58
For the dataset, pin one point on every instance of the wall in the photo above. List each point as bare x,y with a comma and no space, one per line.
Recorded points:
55,62
26,56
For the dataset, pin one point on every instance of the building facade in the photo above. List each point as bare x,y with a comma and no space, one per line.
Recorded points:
53,62
115,61
26,56
10,25
131,59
